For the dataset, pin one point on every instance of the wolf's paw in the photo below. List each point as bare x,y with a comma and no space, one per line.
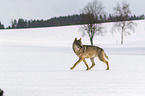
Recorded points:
71,68
87,69
107,69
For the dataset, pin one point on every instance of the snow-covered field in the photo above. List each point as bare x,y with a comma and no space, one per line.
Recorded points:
36,62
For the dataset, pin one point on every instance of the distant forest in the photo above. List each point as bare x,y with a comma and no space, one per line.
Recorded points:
63,21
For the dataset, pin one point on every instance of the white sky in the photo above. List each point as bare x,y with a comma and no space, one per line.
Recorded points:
46,9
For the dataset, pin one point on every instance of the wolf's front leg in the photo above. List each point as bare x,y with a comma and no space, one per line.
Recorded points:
93,63
80,59
86,65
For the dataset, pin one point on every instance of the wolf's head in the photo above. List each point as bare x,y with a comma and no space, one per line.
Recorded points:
78,43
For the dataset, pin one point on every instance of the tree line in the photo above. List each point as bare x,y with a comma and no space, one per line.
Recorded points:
75,19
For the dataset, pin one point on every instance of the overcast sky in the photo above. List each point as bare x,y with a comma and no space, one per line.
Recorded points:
45,9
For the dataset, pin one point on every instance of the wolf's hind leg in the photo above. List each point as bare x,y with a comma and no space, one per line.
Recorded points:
80,59
107,65
86,64
102,58
93,63
106,62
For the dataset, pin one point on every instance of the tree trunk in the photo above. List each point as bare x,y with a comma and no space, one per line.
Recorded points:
122,33
122,36
91,40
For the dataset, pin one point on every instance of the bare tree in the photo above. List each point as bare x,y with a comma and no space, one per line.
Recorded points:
123,12
91,13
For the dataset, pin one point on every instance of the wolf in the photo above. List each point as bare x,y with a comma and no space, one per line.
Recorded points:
88,51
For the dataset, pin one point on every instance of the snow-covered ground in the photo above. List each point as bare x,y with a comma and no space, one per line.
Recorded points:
36,62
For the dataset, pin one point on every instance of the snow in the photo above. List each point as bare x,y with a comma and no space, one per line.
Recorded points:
36,62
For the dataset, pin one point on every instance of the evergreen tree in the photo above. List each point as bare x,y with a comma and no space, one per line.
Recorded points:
1,26
22,23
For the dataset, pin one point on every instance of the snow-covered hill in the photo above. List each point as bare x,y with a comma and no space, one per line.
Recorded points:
68,33
36,62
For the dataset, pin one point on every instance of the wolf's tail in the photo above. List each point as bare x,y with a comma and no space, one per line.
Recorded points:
106,55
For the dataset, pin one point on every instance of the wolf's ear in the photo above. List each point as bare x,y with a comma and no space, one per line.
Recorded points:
80,39
75,39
